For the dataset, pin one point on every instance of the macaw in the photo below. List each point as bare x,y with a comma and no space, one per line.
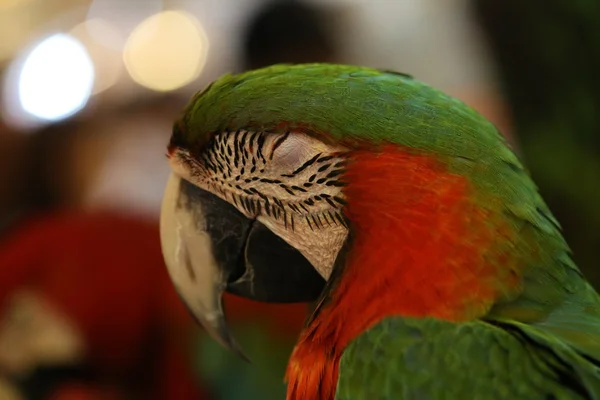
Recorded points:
435,268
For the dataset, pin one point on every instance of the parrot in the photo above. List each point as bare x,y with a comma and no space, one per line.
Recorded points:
432,266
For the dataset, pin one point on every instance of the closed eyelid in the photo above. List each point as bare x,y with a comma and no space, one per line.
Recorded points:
295,150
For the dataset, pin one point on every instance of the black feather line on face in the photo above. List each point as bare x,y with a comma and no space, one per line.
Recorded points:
236,169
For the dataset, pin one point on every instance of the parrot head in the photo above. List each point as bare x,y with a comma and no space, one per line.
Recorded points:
278,173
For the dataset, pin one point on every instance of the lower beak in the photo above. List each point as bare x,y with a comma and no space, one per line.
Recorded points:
210,247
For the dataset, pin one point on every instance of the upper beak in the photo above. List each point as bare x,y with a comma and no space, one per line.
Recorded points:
187,216
210,247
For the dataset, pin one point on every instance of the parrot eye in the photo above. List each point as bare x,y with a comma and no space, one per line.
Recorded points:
290,182
293,150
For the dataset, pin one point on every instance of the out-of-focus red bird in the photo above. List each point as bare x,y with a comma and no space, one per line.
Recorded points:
94,287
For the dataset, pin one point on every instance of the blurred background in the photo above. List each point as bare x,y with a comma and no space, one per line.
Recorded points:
89,91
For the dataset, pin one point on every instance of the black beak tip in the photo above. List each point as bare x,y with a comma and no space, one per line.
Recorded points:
237,349
228,341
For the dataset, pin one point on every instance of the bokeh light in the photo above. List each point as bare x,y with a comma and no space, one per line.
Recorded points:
166,51
56,78
124,16
99,38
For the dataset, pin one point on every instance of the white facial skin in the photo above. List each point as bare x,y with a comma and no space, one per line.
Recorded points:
289,182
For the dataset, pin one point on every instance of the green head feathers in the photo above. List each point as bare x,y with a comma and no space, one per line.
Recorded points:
345,102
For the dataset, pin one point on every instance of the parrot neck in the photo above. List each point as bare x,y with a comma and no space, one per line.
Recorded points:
417,250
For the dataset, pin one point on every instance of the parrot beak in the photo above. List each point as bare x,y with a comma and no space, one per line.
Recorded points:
210,247
187,249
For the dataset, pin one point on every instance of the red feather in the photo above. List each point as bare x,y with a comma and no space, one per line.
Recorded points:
417,250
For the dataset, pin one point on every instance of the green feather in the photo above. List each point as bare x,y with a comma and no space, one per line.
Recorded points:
435,360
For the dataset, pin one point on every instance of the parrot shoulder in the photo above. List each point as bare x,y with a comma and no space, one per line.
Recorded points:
413,358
